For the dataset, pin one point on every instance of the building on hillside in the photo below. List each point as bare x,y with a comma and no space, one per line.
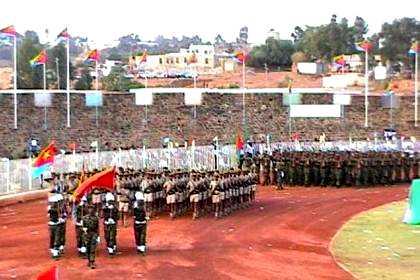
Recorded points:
200,58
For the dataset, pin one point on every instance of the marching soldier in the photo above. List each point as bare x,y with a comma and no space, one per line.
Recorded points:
194,195
62,221
110,223
170,191
140,223
53,224
90,223
80,212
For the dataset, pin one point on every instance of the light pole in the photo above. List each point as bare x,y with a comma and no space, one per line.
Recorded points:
57,60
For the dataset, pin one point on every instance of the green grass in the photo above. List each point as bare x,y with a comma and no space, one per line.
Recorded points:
377,245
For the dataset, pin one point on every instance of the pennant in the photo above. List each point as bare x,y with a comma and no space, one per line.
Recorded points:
101,180
10,31
40,59
240,56
415,48
93,55
50,274
364,46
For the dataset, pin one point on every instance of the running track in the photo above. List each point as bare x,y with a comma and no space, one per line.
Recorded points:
283,235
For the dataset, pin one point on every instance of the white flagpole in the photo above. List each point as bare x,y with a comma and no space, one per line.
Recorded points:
45,88
97,76
416,86
15,80
243,92
68,82
366,88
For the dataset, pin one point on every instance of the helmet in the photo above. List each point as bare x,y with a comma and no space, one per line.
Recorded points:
109,197
139,196
59,197
52,199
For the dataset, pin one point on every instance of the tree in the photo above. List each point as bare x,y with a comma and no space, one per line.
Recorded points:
274,53
59,51
299,57
85,80
360,28
397,37
29,77
116,81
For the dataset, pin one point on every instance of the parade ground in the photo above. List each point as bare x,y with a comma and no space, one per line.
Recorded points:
283,235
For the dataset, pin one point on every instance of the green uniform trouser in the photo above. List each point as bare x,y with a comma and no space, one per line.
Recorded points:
323,174
54,237
140,234
110,235
62,233
79,237
337,173
91,243
306,176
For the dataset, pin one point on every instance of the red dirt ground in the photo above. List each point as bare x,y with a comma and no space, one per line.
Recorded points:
284,235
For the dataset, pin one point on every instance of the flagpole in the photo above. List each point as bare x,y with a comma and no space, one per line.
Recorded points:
45,88
416,86
243,93
68,82
15,80
366,87
57,61
97,88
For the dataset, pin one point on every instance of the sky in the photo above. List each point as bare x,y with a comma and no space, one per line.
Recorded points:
104,21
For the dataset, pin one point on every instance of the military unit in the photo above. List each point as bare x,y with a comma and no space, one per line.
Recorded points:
144,194
338,169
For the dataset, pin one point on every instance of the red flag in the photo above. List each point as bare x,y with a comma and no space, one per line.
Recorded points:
46,156
240,56
364,46
50,274
93,55
101,180
239,142
10,30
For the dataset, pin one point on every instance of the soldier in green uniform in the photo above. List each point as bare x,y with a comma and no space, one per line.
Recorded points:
53,224
90,223
140,223
80,212
306,171
110,223
323,172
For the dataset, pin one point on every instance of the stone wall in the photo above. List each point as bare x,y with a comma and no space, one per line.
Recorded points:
123,124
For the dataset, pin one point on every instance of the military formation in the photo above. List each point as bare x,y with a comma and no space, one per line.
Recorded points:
141,195
336,169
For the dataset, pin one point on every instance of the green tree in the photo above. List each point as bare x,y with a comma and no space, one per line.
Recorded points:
59,51
29,77
397,37
274,53
116,81
84,82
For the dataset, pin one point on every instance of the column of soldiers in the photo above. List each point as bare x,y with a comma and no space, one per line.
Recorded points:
144,194
338,169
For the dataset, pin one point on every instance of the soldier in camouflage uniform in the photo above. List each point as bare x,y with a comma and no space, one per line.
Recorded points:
53,224
110,223
140,223
90,223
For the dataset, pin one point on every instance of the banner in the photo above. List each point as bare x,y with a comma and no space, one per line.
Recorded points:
143,97
291,99
94,99
315,111
193,97
342,99
43,99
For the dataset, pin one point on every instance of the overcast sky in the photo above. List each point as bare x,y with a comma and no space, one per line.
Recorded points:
103,21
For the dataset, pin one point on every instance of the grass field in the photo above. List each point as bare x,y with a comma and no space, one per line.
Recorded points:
377,245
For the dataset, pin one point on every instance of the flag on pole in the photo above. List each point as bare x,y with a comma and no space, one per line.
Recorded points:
240,56
340,60
40,59
239,142
50,274
364,46
93,55
415,48
44,160
63,34
9,31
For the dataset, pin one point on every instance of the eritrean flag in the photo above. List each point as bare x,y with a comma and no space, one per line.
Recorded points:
40,59
10,31
44,160
364,46
93,55
240,56
415,48
340,60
